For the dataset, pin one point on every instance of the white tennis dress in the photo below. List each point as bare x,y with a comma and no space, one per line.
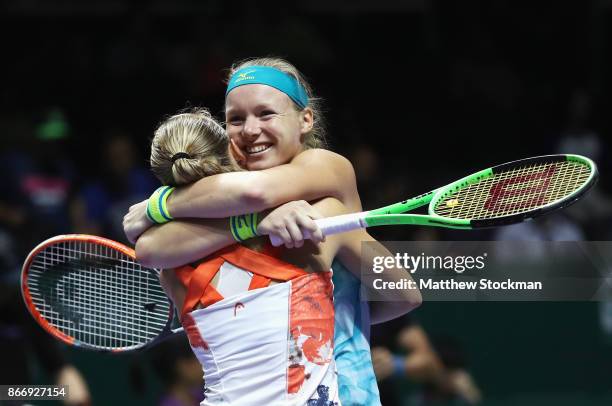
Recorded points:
269,345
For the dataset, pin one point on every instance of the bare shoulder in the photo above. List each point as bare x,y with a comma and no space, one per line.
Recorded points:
335,169
324,157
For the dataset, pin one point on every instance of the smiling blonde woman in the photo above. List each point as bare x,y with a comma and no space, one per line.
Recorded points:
273,125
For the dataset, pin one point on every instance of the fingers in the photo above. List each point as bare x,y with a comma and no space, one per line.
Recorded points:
305,216
135,222
290,233
299,226
126,228
138,205
310,229
237,153
296,235
292,223
285,238
275,240
310,210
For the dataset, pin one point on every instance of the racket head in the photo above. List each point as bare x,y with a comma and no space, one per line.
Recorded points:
515,191
90,292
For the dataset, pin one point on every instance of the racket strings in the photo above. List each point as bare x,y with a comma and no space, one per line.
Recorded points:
97,295
515,191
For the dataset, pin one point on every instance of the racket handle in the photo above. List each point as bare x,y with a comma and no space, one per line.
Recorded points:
331,225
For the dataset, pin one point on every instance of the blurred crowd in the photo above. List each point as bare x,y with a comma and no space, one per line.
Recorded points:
457,94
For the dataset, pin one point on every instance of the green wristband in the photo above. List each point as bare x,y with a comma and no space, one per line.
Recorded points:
244,226
157,207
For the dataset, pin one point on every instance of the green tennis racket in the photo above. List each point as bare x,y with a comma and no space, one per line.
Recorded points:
500,195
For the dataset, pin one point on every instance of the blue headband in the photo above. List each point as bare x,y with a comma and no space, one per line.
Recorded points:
265,75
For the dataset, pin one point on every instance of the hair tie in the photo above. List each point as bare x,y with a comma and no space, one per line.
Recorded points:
180,155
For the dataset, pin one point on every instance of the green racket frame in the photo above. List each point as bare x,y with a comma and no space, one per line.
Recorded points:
391,215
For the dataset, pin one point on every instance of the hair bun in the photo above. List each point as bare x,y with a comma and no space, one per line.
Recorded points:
180,155
210,166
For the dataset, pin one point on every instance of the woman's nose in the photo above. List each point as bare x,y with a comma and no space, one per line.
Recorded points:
251,129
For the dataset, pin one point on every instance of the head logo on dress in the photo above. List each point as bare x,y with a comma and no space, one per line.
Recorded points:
237,306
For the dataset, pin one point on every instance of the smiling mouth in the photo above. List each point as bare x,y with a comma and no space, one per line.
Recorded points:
257,149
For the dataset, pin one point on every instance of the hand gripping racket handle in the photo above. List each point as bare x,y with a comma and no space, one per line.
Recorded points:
331,225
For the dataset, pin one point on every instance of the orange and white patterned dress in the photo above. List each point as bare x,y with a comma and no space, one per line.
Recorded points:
261,344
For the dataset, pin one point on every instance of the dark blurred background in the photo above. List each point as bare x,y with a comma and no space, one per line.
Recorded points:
417,93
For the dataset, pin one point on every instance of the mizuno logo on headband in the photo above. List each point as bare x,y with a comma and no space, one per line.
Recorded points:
265,75
243,76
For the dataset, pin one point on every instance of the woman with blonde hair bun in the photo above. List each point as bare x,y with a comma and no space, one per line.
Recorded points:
189,146
272,121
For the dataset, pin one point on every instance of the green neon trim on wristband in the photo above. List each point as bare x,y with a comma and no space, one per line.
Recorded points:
244,226
254,223
157,206
162,203
233,229
149,215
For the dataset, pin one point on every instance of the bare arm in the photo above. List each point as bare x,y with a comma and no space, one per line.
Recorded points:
311,175
158,247
351,255
182,242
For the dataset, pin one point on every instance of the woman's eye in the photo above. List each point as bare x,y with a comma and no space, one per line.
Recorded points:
235,120
267,113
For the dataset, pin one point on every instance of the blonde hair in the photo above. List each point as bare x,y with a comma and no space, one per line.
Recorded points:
316,138
198,135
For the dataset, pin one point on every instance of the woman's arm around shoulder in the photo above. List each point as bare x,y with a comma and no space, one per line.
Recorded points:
311,175
180,242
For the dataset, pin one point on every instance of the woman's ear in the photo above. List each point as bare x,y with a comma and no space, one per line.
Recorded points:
237,154
306,120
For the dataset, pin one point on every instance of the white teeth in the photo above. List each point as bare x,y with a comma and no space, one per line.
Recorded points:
257,148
